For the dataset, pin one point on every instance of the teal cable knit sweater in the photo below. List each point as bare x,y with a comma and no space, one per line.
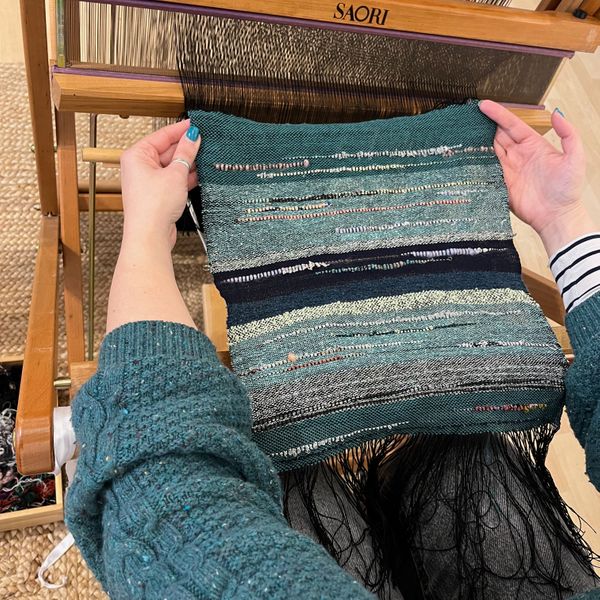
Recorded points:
171,498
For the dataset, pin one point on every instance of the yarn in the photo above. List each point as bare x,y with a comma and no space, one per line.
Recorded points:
377,318
17,491
321,236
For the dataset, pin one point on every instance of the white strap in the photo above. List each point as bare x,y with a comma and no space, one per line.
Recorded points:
65,445
57,552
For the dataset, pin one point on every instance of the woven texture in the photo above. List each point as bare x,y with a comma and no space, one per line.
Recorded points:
371,280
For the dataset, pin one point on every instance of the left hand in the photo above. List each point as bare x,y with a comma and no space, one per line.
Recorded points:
154,188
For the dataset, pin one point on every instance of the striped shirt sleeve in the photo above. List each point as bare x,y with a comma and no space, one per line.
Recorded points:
576,269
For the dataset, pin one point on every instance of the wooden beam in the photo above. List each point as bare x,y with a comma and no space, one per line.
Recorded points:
107,156
37,397
112,96
108,95
105,202
69,225
33,23
548,5
438,17
591,7
103,186
80,373
546,294
568,5
540,120
214,312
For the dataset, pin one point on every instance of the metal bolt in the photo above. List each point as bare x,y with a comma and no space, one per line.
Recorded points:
62,383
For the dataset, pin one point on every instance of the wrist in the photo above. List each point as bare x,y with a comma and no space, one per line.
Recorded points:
146,239
566,227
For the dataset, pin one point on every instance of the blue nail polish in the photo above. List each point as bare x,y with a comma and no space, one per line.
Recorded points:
192,133
560,112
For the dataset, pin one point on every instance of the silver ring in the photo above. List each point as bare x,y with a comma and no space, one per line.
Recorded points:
183,162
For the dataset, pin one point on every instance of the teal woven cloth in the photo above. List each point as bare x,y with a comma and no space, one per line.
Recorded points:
371,281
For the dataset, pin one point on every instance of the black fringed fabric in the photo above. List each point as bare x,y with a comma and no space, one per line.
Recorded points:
440,517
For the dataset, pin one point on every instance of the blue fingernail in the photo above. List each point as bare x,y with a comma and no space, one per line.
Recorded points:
560,112
192,133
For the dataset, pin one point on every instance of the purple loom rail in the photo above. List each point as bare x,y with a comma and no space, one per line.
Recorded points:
406,35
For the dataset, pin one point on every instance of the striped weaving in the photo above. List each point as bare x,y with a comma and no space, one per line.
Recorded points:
371,281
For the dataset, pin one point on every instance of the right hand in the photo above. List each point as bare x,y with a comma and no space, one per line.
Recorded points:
544,184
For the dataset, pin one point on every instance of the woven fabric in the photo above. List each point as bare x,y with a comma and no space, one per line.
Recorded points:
371,281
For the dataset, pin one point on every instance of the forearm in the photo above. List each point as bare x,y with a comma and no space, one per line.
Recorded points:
143,286
171,497
571,225
576,268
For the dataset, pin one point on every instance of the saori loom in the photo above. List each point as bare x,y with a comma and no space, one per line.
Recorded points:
280,61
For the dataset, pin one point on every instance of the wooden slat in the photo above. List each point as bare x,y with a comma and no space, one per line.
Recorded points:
69,224
112,96
214,311
439,17
104,202
103,186
540,120
106,95
37,397
33,22
546,294
51,14
548,5
560,331
591,7
80,372
10,359
568,5
107,156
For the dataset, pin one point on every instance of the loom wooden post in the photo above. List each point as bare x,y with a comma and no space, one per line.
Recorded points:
37,397
546,294
591,7
35,45
69,225
214,312
568,5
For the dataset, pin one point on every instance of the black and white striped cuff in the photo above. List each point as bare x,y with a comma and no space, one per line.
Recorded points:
576,268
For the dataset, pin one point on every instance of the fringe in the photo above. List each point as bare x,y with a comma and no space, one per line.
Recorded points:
482,508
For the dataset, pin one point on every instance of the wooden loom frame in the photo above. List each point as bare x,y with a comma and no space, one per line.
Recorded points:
62,197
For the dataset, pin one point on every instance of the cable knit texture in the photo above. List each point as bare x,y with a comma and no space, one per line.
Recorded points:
172,499
583,382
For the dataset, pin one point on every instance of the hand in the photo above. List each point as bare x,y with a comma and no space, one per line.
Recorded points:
154,188
544,184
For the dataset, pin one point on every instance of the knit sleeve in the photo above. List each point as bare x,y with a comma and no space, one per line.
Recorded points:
171,498
583,381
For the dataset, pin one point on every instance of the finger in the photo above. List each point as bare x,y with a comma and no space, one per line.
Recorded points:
162,139
192,180
517,129
503,138
186,149
569,137
500,150
167,156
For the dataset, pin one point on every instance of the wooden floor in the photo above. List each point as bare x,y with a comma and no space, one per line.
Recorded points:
577,93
